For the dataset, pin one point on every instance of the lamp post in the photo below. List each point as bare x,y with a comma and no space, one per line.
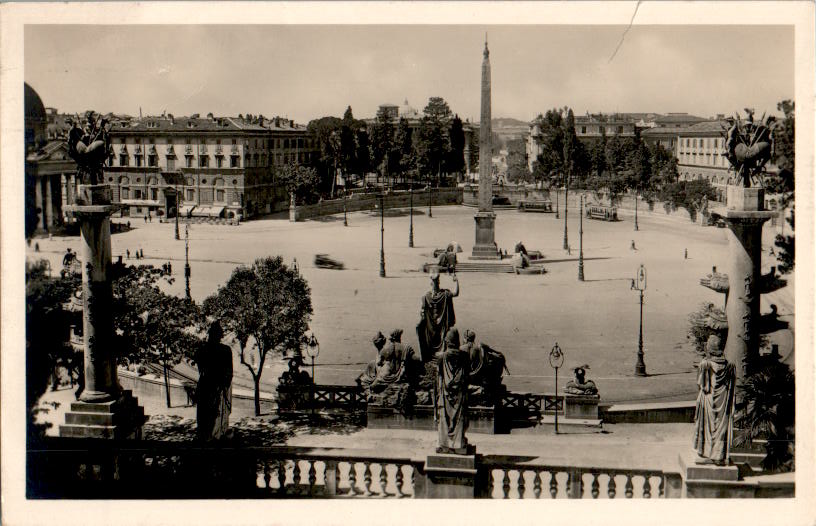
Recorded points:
636,207
178,209
556,361
556,202
430,197
345,218
382,235
566,211
639,284
313,350
187,260
581,243
411,216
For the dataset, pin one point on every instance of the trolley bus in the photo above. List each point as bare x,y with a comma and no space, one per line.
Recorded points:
603,213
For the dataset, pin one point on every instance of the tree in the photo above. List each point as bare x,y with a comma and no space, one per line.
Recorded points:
267,308
382,142
362,151
455,162
433,143
348,144
404,146
570,145
516,162
550,163
162,328
784,183
323,131
300,180
787,248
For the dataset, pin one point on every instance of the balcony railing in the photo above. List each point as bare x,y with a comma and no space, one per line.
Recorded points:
76,468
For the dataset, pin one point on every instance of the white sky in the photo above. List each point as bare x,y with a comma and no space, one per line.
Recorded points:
305,72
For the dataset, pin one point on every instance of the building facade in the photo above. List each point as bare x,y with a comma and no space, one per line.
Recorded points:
218,167
700,153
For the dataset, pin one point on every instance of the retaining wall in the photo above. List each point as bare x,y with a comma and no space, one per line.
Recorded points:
355,203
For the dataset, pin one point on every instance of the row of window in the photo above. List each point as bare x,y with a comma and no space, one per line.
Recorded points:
153,193
204,160
703,143
152,181
601,129
298,142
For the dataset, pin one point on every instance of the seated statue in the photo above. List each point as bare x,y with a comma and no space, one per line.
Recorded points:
395,362
486,365
579,385
294,376
370,374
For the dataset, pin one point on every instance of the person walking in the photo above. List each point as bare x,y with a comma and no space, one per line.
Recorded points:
685,253
127,252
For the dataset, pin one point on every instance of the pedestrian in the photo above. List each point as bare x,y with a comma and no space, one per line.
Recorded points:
632,246
36,247
685,253
128,225
569,250
145,218
169,268
771,252
142,252
128,253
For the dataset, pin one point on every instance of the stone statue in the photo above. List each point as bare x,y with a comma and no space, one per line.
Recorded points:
294,376
748,145
214,390
367,378
90,147
714,413
436,317
579,385
452,395
486,367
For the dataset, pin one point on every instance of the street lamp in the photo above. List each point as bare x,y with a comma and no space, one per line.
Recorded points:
581,243
411,215
566,211
430,197
636,203
556,202
639,284
556,361
382,235
178,207
187,259
313,350
345,218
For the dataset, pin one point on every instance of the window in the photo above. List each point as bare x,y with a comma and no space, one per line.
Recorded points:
137,194
171,164
218,141
620,129
583,130
219,161
152,160
191,195
234,141
235,161
154,194
138,160
124,159
204,161
125,193
187,140
189,161
286,143
219,195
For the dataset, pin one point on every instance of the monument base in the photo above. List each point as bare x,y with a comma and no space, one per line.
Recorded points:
122,418
480,419
485,245
449,476
581,406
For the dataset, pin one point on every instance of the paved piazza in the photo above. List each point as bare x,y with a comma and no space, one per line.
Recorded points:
595,322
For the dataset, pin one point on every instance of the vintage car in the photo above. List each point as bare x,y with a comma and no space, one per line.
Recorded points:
324,261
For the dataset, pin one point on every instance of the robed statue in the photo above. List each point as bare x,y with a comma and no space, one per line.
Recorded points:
714,414
436,317
453,370
214,390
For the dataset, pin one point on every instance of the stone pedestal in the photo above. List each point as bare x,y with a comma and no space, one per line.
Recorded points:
581,406
485,245
104,409
744,215
450,476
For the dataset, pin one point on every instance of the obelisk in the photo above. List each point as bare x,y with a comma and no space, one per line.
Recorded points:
485,246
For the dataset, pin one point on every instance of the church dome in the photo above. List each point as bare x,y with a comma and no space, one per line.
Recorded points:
36,120
408,111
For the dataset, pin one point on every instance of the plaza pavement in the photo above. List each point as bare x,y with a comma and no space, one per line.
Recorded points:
594,322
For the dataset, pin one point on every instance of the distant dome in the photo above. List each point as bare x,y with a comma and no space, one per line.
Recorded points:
36,120
408,111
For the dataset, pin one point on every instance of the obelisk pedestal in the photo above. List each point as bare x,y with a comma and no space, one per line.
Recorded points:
485,244
744,213
104,410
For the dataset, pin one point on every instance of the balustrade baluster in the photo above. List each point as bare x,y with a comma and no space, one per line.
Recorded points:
521,484
413,480
553,485
661,489
331,480
647,487
352,478
383,479
367,479
312,476
629,489
280,473
611,488
296,476
595,486
506,483
399,480
537,484
575,485
267,474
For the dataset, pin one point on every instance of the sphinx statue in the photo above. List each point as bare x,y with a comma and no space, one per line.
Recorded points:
579,385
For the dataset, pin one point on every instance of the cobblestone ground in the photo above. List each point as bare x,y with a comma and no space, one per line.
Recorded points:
594,322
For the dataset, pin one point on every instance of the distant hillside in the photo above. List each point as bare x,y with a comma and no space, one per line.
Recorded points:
507,122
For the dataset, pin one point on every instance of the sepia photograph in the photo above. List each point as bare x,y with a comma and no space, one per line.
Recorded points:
351,252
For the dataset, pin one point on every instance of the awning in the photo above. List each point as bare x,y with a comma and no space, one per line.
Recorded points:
208,211
185,210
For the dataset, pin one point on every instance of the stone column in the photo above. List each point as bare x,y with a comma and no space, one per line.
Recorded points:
745,215
48,209
38,202
104,410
